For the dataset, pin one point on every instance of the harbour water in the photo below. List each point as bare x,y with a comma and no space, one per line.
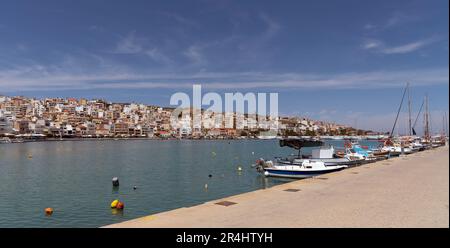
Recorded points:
74,178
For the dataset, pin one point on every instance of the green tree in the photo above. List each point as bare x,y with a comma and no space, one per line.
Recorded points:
289,132
310,133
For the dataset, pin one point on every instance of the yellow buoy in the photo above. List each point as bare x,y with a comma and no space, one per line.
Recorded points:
114,203
239,168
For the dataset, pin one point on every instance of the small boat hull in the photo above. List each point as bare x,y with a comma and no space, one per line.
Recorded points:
329,162
394,154
274,172
380,153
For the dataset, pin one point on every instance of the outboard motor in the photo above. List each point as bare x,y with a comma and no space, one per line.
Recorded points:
259,163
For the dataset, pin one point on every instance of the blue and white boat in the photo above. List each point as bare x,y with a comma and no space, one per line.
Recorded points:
302,167
305,170
319,153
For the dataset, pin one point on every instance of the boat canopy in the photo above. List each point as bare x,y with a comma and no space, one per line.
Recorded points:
300,142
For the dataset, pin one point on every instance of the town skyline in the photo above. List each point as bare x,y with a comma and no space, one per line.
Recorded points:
72,117
436,124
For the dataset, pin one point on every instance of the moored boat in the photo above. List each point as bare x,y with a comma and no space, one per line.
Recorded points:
5,140
319,153
305,170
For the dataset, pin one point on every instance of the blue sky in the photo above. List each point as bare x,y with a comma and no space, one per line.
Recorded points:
343,61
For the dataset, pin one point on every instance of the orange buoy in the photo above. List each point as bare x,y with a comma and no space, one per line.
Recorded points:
120,205
49,211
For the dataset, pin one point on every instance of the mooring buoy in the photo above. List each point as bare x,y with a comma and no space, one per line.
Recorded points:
49,211
114,203
115,181
120,205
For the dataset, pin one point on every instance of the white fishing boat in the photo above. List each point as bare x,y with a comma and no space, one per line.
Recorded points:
360,154
267,135
393,151
325,154
305,170
324,161
415,145
5,140
352,155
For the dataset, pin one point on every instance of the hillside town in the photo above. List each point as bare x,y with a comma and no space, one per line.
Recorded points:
29,118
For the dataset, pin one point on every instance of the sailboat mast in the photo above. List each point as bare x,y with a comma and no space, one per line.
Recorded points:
430,125
398,112
426,124
417,117
409,110
445,125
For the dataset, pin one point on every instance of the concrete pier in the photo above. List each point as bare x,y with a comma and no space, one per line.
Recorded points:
410,191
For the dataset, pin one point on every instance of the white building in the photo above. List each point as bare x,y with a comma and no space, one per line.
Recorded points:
5,126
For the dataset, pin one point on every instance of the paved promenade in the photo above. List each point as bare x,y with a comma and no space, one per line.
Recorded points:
410,191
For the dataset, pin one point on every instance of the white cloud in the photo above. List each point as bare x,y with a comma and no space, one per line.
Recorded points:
395,20
380,121
158,56
272,26
129,44
371,44
96,28
384,122
409,47
193,53
369,26
22,47
379,46
399,18
132,44
70,76
182,20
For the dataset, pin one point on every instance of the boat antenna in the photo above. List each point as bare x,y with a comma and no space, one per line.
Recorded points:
398,112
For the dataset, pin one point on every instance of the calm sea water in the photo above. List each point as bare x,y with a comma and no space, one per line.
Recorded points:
74,178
